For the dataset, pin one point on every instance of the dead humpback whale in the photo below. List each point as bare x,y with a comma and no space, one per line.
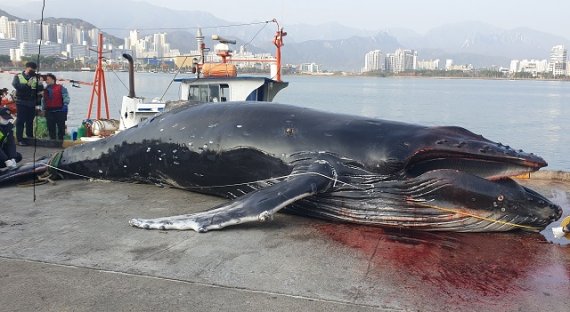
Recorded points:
266,157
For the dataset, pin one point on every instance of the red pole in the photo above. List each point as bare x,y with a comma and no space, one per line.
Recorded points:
278,41
99,68
99,83
105,94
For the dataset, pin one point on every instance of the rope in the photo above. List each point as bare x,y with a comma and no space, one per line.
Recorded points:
119,78
36,94
213,186
73,173
257,33
456,211
177,72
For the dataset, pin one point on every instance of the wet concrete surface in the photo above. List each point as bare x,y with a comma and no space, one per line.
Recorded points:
72,249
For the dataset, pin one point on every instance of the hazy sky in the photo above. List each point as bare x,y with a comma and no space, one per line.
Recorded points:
551,16
420,15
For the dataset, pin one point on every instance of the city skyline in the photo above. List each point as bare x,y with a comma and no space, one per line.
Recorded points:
73,42
417,15
407,60
156,45
20,39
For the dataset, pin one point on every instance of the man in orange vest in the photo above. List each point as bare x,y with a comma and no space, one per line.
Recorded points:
54,103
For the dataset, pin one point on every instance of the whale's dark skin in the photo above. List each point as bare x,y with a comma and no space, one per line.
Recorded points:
269,156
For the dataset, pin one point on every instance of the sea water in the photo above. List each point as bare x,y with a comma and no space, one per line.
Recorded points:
531,115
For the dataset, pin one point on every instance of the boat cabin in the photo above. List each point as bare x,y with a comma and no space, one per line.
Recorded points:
222,89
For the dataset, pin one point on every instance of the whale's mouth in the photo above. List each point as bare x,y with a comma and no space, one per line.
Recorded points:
478,188
487,167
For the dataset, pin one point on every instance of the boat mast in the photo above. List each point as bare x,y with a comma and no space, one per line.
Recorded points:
201,48
278,41
99,83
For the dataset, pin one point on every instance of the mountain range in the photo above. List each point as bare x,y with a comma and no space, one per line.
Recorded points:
332,45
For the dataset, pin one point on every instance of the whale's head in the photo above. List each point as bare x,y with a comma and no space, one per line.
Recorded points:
467,202
463,182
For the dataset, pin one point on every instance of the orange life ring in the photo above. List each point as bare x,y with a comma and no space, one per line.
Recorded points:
219,70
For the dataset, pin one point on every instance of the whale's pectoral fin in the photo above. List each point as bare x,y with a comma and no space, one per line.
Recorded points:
308,180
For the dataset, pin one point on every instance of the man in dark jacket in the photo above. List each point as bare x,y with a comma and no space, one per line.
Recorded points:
8,155
27,88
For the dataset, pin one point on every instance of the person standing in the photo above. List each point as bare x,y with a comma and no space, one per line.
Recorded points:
8,155
27,88
54,103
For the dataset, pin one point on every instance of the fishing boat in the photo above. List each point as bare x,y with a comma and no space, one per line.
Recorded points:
212,82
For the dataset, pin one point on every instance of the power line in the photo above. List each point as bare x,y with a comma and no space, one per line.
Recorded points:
189,27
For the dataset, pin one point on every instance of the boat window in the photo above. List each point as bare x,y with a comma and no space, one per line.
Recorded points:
224,92
209,93
194,93
214,93
204,96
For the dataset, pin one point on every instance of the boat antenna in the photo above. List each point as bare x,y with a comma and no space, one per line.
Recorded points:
222,49
201,49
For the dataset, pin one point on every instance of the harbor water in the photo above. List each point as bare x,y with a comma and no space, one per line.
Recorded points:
525,114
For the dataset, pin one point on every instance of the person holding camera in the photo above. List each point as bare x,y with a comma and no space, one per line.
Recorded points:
27,88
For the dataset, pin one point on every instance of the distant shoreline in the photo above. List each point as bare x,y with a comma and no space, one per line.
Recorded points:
10,70
346,74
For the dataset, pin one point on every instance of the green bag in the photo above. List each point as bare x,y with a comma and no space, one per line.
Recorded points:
40,127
